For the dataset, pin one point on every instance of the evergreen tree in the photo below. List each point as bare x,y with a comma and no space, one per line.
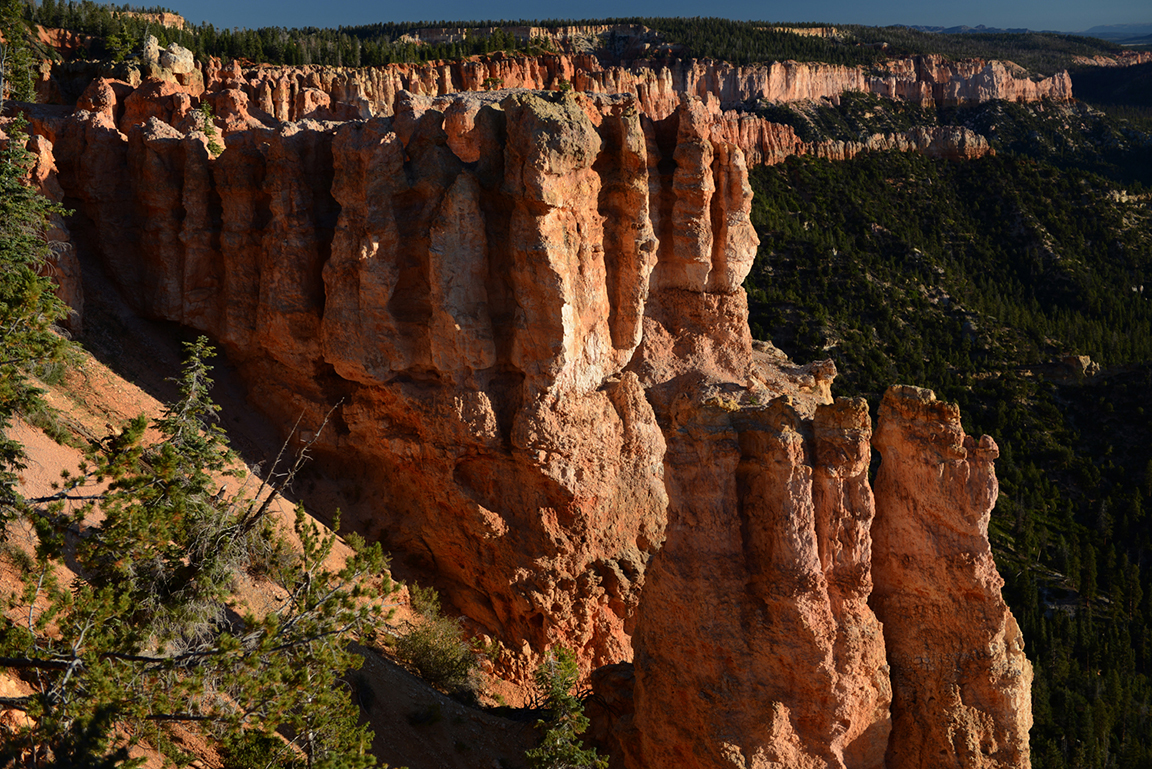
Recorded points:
560,747
28,304
143,637
17,65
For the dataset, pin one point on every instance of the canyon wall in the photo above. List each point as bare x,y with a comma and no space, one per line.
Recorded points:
171,100
470,279
1122,59
766,143
960,679
167,83
657,85
269,94
754,626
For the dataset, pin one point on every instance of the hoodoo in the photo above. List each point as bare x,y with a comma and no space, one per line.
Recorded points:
961,683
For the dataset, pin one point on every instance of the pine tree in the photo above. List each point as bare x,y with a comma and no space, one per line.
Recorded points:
28,304
560,747
16,61
143,637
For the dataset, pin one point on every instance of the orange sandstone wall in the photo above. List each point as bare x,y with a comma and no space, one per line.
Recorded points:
530,308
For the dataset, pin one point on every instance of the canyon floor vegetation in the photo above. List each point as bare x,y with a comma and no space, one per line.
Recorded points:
985,280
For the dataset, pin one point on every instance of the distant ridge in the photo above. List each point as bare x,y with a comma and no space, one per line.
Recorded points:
1119,33
1109,31
1125,34
979,29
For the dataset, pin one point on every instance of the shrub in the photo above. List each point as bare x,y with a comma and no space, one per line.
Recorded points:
437,648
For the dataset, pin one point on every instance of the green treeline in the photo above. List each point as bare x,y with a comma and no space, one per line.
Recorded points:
739,42
370,45
971,278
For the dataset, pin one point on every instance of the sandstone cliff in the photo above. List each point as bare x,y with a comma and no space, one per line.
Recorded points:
760,140
773,544
1122,59
766,143
167,83
473,298
264,95
657,86
529,308
782,662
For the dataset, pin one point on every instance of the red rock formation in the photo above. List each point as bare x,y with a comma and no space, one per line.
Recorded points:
62,265
475,312
243,101
961,683
768,143
106,97
163,99
66,42
781,662
164,19
529,307
929,80
262,96
1122,59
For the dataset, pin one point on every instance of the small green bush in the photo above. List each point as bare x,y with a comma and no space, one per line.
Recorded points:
207,118
425,601
437,648
258,750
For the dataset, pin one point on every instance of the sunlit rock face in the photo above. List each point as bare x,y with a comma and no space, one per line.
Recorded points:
470,279
283,92
768,552
526,309
961,683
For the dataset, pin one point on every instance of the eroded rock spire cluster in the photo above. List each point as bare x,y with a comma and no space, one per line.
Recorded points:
530,306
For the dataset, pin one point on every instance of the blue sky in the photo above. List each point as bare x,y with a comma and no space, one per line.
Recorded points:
1063,15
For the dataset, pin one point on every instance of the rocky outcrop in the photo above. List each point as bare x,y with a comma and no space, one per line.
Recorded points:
163,18
169,85
175,58
528,307
948,142
67,43
773,543
657,86
961,683
473,298
782,662
766,143
1122,59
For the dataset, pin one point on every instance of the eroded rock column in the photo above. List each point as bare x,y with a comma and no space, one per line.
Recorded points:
961,683
755,646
